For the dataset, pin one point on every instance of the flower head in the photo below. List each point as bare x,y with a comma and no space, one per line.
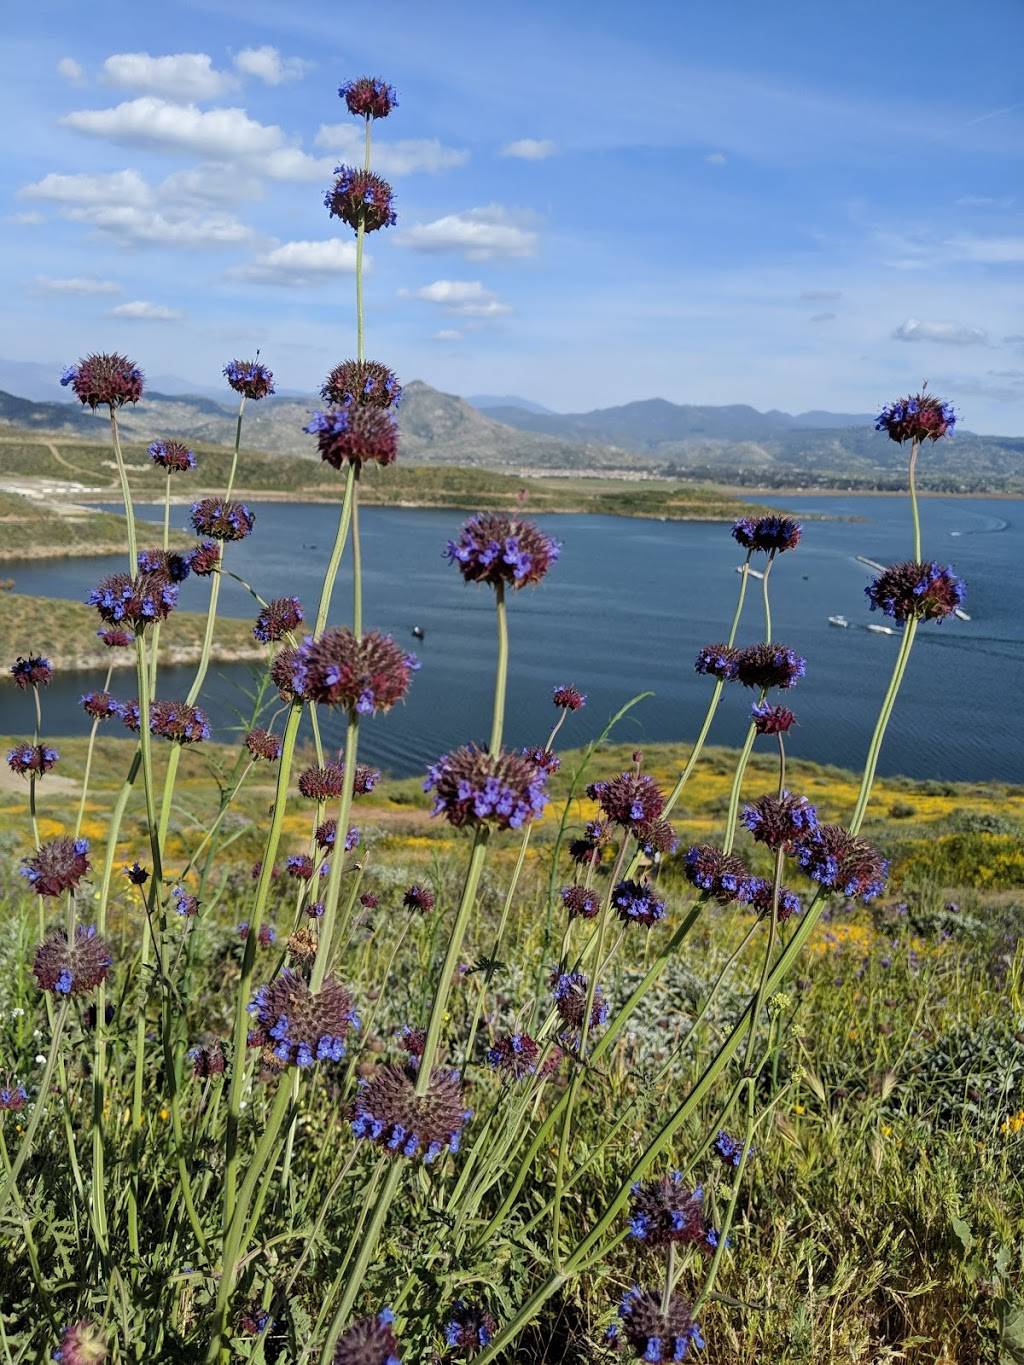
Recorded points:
362,382
178,722
771,720
204,559
104,380
360,197
388,1111
772,534
468,1329
570,991
58,865
206,1061
222,519
474,787
840,862
277,619
254,1319
664,1211
302,1026
249,378
262,744
908,591
174,566
354,434
779,821
768,666
322,784
185,904
494,547
327,837
369,97
656,836
717,661
418,897
546,760
32,759
636,903
653,1335
283,672
35,671
722,875
137,874
300,866
82,1343
730,1149
174,456
517,1055
116,638
568,698
122,600
13,1098
580,901
759,894
631,800
367,674
72,967
369,1341
131,716
918,417
587,849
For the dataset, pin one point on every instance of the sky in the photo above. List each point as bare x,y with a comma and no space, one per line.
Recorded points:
796,205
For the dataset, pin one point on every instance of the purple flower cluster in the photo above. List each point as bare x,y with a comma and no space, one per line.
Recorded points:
722,875
108,380
631,800
730,1149
654,1335
354,434
759,894
473,787
469,1329
369,1341
636,903
172,565
517,1055
262,744
366,674
277,619
222,519
360,198
174,456
58,865
32,759
570,991
388,1112
185,904
418,897
665,1211
568,698
301,1026
122,600
717,661
767,666
494,548
908,591
249,378
771,534
580,901
918,417
205,558
840,862
34,671
178,722
13,1098
72,967
771,720
366,382
369,97
780,821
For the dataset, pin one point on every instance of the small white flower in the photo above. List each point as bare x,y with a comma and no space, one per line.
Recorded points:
17,1013
40,1058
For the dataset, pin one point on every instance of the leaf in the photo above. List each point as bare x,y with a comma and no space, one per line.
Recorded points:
963,1233
1010,1318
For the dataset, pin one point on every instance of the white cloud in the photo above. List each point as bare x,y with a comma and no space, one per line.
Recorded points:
948,333
716,158
69,69
479,234
447,334
77,284
468,298
211,182
345,142
292,163
143,311
148,121
530,148
120,187
267,65
180,75
989,250
300,263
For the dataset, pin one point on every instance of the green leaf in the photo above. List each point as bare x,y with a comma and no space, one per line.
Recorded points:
963,1233
1010,1317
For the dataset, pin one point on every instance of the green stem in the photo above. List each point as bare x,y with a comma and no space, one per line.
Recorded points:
915,449
9,1189
88,760
333,563
129,510
737,786
238,441
332,895
501,675
369,1244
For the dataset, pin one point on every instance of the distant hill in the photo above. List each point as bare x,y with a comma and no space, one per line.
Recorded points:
508,400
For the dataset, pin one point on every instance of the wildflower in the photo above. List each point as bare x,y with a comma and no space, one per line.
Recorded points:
13,1098
664,1211
108,380
266,937
1009,1127
730,1149
174,456
418,897
369,1341
327,836
918,417
369,900
473,787
771,720
254,1320
468,1329
772,534
631,799
322,784
517,1055
546,760
38,759
839,861
206,1061
71,967
249,378
369,97
114,638
82,1343
185,904
35,671
178,722
362,381
759,894
221,518
366,674
365,780
174,566
355,434
390,1113
655,836
413,1041
717,661
494,548
779,820
99,705
58,865
123,600
262,744
580,901
722,875
137,874
768,666
205,558
654,1335
315,910
910,591
360,198
636,903
587,849
278,618
570,990
300,865
302,1026
131,717
568,698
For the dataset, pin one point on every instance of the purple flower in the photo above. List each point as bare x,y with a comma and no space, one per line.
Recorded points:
772,534
771,720
722,875
249,378
494,547
174,456
369,1341
468,1329
35,671
369,97
473,787
262,744
13,1098
137,874
365,674
653,1335
418,897
717,661
174,566
277,619
365,382
136,602
570,991
360,198
909,591
222,519
636,903
388,1112
58,865
301,1026
109,380
205,558
665,1211
185,904
767,666
178,722
355,434
759,894
631,800
580,901
517,1055
730,1149
568,698
32,759
779,821
72,967
840,862
918,417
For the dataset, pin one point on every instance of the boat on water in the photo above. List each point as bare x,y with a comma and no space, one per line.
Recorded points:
838,620
754,573
881,630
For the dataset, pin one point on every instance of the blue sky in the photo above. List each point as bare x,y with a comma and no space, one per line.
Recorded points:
797,205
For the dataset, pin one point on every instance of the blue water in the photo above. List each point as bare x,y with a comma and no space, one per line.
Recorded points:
625,610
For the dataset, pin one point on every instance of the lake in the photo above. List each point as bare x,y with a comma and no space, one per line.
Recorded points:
625,610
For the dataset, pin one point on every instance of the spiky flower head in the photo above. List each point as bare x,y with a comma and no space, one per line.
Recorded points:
665,1211
282,672
908,591
412,1041
108,380
262,744
81,1343
544,759
779,821
254,1319
172,565
918,417
58,865
568,698
768,666
204,559
322,784
277,619
185,904
123,600
206,1061
418,897
174,456
300,865
653,1335
354,434
178,722
771,534
249,378
570,991
587,849
32,759
369,1341
116,638
722,875
656,836
474,787
771,720
34,671
137,874
469,1329
303,1026
840,862
759,894
369,97
369,900
580,901
266,936
360,197
389,1112
494,547
517,1055
13,1098
637,903
730,1149
631,800
362,382
365,779
222,518
327,837
366,674
717,661
72,967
